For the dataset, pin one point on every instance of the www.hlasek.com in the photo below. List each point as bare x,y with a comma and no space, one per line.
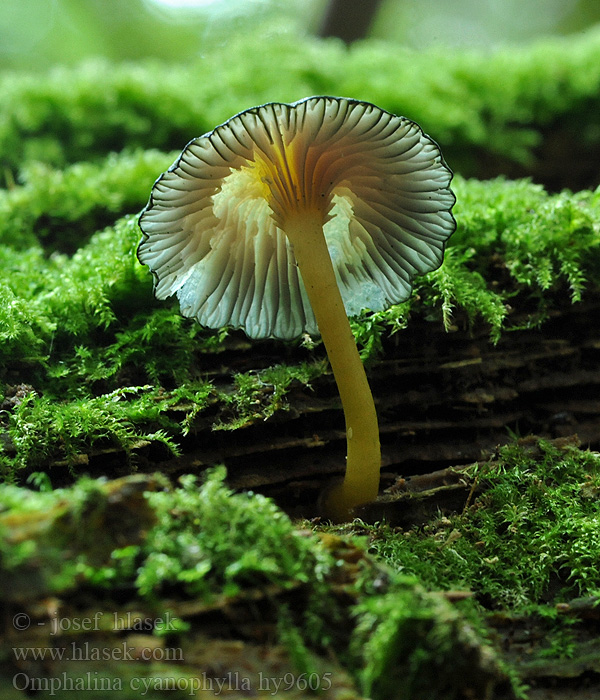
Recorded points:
142,685
88,652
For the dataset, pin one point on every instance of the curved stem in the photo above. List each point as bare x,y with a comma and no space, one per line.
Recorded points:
361,482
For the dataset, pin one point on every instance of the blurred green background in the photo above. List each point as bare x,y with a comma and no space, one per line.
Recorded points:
36,34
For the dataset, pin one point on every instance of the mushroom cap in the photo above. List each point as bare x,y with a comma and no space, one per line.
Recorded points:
214,228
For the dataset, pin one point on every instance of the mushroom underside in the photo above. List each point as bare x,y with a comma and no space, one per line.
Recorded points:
214,228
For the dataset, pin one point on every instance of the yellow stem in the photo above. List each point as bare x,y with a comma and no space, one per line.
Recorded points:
363,464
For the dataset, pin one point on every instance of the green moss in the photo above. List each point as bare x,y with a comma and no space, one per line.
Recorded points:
502,104
22,330
49,539
42,431
385,629
405,641
530,538
259,395
61,209
526,545
72,115
78,328
542,239
191,551
70,322
516,248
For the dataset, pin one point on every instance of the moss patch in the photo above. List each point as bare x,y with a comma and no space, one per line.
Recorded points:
523,550
384,628
532,537
495,110
77,329
526,544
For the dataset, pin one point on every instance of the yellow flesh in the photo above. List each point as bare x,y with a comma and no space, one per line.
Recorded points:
301,213
361,482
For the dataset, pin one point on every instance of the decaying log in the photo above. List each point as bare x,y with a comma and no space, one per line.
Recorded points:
443,399
575,673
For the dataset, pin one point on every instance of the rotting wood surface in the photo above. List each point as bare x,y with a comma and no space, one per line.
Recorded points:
443,399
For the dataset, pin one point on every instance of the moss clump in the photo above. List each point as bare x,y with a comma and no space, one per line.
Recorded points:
259,395
502,104
204,549
49,538
531,538
407,639
197,548
544,241
496,108
515,247
42,431
61,209
382,627
393,630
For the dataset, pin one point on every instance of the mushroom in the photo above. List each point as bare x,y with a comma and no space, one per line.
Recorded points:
288,218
